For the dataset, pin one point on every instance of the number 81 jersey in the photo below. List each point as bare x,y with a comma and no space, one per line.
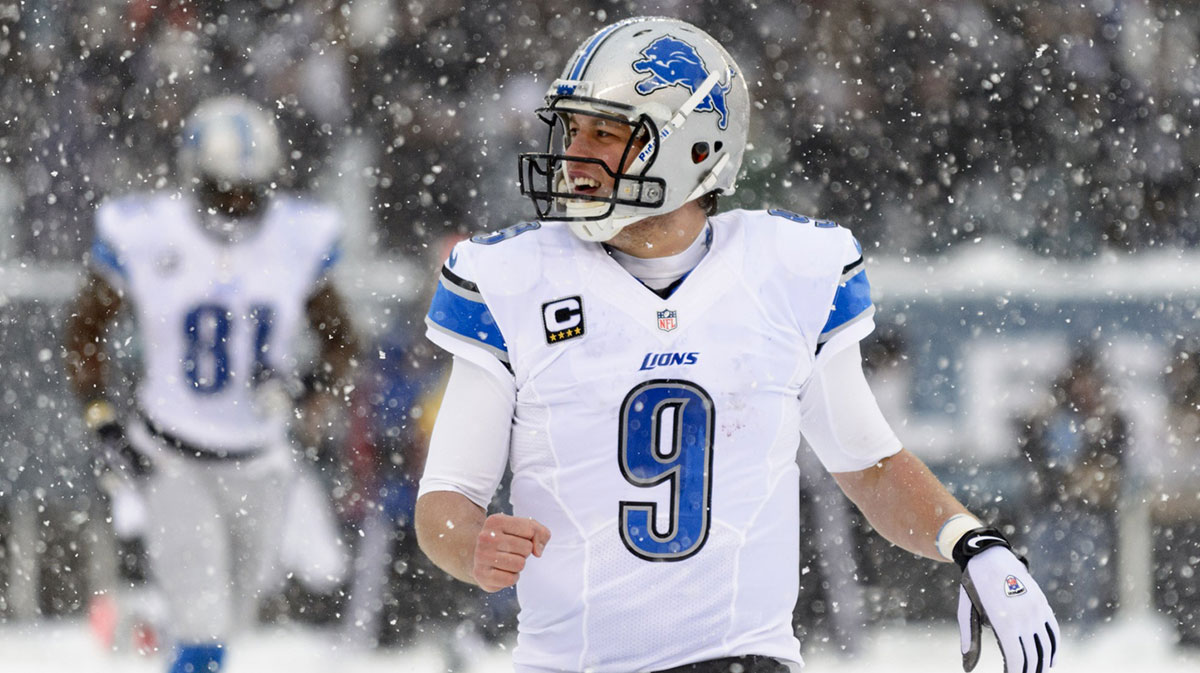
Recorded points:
656,438
211,314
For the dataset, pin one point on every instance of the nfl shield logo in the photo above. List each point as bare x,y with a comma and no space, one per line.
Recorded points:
1013,586
666,320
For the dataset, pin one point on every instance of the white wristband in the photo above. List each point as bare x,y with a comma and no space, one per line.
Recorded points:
954,528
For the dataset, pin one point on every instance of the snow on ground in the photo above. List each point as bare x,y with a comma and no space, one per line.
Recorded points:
67,647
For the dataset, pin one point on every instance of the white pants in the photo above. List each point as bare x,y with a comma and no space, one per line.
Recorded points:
213,528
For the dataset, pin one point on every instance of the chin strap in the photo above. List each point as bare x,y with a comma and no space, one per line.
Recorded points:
600,231
709,180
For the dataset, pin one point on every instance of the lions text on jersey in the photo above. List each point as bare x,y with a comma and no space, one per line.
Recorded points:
211,313
656,438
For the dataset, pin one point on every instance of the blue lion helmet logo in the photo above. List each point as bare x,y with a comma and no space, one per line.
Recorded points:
673,62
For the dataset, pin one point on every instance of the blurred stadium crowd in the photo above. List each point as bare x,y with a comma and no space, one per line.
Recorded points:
1063,129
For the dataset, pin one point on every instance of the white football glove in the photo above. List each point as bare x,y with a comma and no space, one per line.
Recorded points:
997,589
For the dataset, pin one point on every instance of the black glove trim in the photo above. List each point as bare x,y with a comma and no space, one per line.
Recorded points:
116,452
136,461
971,657
976,541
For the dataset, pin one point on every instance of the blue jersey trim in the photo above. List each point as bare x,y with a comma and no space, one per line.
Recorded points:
104,256
466,318
669,290
852,298
329,259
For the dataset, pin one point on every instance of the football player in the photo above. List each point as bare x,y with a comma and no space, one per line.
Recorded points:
646,366
220,279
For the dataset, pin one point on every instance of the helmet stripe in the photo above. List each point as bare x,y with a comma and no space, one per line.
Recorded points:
242,124
585,55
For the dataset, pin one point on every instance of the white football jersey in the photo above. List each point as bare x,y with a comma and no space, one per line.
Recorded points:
212,313
656,438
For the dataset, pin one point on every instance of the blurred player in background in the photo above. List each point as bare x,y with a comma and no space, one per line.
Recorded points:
221,280
647,368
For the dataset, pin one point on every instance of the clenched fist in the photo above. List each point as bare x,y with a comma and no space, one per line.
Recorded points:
502,547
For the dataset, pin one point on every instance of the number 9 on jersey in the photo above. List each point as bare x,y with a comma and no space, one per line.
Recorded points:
666,435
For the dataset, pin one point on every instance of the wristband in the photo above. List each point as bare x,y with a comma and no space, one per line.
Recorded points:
951,531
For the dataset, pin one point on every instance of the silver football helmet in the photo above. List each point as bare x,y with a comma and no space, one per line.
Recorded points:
231,142
686,102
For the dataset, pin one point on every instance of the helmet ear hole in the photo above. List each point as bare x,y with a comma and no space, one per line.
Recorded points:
699,152
717,146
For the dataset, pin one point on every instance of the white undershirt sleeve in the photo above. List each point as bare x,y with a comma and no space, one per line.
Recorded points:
469,447
841,419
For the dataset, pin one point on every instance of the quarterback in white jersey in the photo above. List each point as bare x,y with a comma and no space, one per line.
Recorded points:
220,281
656,437
647,367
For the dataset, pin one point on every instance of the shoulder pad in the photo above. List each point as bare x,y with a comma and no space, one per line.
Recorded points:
508,261
802,244
141,214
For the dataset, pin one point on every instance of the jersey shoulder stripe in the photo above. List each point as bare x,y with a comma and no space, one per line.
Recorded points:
462,285
330,259
478,287
459,312
106,261
828,253
851,301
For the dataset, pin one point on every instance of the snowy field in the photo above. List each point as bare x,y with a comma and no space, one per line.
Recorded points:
67,647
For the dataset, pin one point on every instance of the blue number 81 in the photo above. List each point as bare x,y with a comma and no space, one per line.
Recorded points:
206,352
667,436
